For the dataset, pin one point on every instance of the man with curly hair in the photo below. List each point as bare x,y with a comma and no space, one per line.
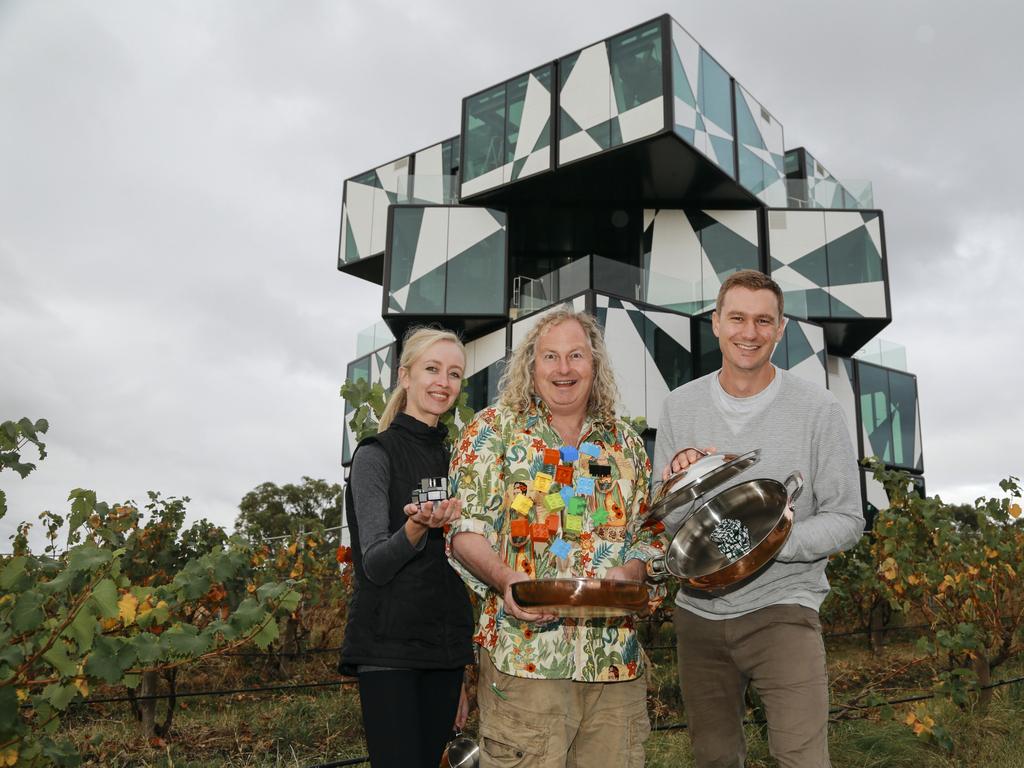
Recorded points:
553,485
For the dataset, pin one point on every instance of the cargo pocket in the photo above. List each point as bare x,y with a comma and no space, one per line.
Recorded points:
507,742
638,729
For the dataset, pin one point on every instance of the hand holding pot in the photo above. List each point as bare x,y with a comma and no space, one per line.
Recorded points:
512,607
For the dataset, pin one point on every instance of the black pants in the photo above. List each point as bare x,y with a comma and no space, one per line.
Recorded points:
408,715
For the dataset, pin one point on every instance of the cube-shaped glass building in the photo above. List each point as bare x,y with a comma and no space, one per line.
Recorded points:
629,178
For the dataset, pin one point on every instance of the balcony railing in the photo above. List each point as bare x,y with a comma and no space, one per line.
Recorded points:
885,353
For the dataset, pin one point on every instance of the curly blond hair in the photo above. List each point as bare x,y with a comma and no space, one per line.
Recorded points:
516,386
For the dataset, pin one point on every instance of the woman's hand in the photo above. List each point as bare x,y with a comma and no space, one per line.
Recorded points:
434,515
420,518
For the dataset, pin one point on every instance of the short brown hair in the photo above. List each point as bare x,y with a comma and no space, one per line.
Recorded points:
755,281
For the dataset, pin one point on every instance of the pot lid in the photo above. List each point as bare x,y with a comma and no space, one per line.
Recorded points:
703,475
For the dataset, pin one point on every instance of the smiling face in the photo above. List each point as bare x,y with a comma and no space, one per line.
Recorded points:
748,327
563,369
432,381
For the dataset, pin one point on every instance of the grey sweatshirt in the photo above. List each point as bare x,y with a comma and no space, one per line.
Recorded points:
801,429
384,553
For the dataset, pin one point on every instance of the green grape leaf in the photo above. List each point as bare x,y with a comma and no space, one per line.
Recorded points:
267,634
12,573
60,695
27,613
184,640
104,595
83,628
88,557
109,659
57,657
147,647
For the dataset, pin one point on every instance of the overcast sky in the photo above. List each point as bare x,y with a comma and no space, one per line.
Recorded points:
171,178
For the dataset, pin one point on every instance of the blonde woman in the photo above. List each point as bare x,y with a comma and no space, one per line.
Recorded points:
409,621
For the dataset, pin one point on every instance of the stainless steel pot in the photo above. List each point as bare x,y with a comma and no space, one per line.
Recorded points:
681,494
759,505
461,752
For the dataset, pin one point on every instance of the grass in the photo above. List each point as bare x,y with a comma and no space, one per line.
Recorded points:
305,728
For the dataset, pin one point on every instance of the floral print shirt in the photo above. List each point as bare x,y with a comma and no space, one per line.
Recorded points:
498,460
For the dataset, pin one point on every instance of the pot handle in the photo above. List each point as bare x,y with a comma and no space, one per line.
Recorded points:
797,479
657,570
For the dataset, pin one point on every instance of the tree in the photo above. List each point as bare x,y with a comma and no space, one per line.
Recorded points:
272,510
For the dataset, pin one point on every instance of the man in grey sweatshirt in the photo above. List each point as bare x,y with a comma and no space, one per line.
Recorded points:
766,631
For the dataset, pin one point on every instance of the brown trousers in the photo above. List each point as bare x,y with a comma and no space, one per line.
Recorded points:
777,649
560,723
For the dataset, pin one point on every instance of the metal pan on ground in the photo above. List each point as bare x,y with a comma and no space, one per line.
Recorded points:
581,597
706,553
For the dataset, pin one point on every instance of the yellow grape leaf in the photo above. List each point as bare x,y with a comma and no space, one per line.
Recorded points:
1015,510
293,548
22,694
910,719
126,608
912,579
991,553
83,686
9,756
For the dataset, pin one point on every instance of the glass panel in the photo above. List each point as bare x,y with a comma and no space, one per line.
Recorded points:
476,278
566,125
903,400
426,294
516,98
710,358
853,257
485,132
482,386
874,411
635,60
359,369
618,279
404,237
715,100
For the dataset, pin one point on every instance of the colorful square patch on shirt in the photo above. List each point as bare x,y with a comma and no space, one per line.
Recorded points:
590,449
563,475
522,504
585,486
554,502
569,453
551,456
560,548
542,482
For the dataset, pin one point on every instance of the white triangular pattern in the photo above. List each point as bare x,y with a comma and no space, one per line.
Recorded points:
400,297
649,214
392,174
874,228
469,226
642,120
359,207
689,56
535,163
875,492
803,233
839,223
867,299
709,280
918,457
840,385
432,244
576,146
428,180
774,193
585,93
493,178
762,154
686,116
743,223
484,351
676,326
791,280
810,370
674,260
536,111
656,389
627,353
716,130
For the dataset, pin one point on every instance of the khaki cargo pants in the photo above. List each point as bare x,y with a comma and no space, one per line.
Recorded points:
560,723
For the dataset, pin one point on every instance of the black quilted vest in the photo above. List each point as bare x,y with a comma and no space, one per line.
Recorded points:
422,618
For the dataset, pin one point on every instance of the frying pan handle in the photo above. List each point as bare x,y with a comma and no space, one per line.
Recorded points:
797,479
657,570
